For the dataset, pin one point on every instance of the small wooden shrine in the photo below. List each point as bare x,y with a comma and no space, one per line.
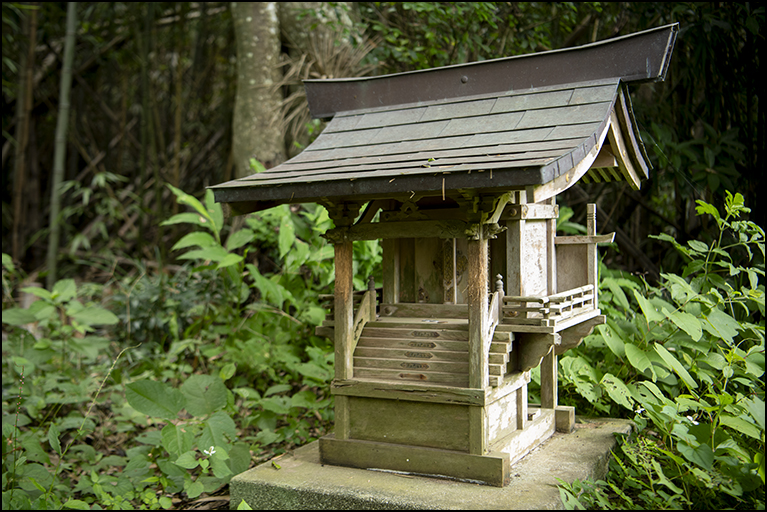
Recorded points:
456,170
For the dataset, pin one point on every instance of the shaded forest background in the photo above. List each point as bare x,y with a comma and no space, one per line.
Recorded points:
154,100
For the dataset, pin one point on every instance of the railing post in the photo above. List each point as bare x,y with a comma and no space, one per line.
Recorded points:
374,298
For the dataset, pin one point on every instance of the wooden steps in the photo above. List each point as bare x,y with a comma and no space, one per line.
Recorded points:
429,352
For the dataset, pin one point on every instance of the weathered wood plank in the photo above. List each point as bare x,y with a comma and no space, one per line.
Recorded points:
416,310
414,344
408,390
492,468
390,266
452,379
549,381
410,423
410,365
407,291
415,354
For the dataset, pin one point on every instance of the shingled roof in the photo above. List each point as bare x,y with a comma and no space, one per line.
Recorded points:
538,122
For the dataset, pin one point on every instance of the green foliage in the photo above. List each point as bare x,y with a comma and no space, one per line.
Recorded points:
686,360
229,367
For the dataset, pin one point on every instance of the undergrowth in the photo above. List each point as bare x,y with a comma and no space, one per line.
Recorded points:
685,360
149,391
178,381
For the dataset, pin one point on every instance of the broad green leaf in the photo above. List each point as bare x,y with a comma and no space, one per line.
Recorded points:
193,489
187,460
672,362
154,399
18,316
239,238
721,325
215,211
650,313
217,430
617,391
638,359
229,260
755,407
663,479
617,292
287,235
219,465
184,198
698,246
8,262
275,404
64,290
77,505
213,253
742,425
53,438
188,217
95,315
702,455
277,388
313,371
37,292
176,439
612,338
198,238
686,322
703,208
227,371
204,394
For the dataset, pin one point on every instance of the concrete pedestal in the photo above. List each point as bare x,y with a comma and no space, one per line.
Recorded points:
303,483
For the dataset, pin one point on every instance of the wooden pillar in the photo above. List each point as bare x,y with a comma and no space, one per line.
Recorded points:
591,249
344,319
549,380
391,270
478,347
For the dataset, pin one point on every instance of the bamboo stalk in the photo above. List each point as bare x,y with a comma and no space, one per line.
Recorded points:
62,124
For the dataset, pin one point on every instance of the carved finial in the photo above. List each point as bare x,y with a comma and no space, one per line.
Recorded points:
371,283
591,219
499,284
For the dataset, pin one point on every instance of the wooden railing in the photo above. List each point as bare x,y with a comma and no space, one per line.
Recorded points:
495,309
365,303
548,310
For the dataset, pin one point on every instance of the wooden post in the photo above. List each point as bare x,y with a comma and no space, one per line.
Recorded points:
373,297
591,249
549,380
344,310
344,331
390,263
478,347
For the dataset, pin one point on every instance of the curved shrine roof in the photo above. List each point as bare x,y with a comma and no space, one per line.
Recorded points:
492,138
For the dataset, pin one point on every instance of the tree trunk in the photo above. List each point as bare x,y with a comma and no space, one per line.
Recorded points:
255,135
62,123
23,107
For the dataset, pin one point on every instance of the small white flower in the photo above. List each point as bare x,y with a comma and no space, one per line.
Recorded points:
692,420
209,452
639,410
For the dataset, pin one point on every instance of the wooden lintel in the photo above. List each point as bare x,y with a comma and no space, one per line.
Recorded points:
585,239
402,229
530,211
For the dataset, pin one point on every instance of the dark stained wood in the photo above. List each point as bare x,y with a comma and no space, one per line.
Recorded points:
638,57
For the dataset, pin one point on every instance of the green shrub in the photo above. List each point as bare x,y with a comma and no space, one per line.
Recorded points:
686,361
222,366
